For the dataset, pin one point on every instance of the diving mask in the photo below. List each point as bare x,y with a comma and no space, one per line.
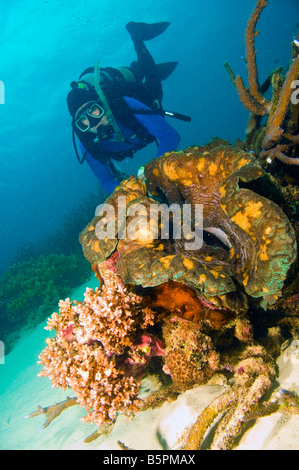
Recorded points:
89,118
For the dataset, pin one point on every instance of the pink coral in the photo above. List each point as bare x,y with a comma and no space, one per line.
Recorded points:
145,347
94,339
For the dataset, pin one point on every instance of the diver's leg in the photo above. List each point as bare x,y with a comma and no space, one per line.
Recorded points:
145,69
148,69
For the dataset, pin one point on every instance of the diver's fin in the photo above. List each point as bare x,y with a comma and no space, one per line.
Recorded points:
166,69
146,31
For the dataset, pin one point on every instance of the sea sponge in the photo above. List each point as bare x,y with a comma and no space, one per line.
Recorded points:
182,300
190,358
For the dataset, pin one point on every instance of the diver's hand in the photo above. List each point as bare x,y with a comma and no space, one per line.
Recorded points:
117,172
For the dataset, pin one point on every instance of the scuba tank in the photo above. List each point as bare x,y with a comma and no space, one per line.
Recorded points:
124,79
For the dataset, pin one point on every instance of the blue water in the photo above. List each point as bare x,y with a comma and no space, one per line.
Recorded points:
46,44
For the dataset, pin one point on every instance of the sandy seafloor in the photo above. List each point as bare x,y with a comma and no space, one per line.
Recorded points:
21,391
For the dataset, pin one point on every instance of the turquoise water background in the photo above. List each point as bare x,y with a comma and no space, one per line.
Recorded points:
44,45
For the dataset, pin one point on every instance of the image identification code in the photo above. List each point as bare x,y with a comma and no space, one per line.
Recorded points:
151,459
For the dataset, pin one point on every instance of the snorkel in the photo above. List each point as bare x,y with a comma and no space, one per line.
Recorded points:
111,130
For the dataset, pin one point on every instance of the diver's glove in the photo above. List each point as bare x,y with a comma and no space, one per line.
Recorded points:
141,174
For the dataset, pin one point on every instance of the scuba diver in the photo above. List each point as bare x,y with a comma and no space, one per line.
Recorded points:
117,111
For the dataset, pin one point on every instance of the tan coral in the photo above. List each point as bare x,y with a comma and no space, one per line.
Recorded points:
280,125
252,99
254,374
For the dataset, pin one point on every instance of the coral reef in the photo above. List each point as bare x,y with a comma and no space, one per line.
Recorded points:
199,309
186,294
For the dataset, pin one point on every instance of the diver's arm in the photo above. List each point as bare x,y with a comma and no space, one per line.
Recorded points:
168,138
101,171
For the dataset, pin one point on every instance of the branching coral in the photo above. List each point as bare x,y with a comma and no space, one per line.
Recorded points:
252,99
281,131
254,375
274,130
93,342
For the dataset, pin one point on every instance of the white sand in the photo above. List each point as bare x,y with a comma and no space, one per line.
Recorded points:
21,390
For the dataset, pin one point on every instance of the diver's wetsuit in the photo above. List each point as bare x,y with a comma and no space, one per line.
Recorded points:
148,78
